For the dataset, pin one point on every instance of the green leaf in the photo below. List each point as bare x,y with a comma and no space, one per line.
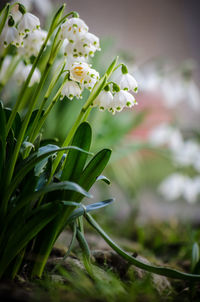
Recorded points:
195,255
65,185
2,137
3,16
75,161
103,178
94,168
82,209
163,271
27,232
30,163
16,126
112,67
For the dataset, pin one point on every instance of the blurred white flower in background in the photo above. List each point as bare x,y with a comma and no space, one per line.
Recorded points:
165,134
22,71
44,7
178,185
32,43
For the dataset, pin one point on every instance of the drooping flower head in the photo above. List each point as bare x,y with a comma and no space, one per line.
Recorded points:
22,72
10,34
73,29
71,89
126,81
32,43
28,23
79,71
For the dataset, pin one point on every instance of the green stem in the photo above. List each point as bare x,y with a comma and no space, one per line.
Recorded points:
23,130
54,24
24,87
37,124
163,271
11,68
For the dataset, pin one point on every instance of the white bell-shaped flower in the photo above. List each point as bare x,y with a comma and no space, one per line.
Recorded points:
91,78
127,82
10,35
104,100
91,39
28,23
71,60
33,43
73,29
85,47
71,89
79,71
22,71
122,99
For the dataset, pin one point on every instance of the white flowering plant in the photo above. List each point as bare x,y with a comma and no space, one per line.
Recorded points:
41,184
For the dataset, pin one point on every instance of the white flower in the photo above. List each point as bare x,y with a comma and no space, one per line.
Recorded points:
44,7
122,99
127,82
164,134
4,67
83,47
71,89
104,100
191,189
178,185
73,29
28,22
10,35
71,60
91,39
33,43
91,78
173,186
79,71
188,154
22,72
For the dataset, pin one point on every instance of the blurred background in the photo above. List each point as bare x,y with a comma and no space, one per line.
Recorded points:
159,41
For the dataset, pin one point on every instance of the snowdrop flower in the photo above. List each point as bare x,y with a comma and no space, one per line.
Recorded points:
44,7
28,23
81,48
4,67
165,134
173,186
127,82
71,89
91,78
73,29
191,189
79,71
122,99
188,154
10,35
22,72
33,43
104,100
91,39
71,60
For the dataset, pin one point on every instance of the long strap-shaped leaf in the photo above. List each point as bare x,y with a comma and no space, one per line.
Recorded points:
64,185
2,137
163,271
27,232
29,165
75,160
